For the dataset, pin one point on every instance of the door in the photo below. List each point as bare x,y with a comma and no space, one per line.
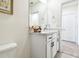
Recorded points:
69,24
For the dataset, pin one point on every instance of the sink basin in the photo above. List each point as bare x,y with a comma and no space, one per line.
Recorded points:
48,32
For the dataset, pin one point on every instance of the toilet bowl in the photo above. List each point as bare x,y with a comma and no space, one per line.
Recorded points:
8,50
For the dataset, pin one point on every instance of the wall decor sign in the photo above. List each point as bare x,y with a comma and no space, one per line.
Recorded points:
6,6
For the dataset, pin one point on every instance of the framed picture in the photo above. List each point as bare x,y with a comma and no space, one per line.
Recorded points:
6,6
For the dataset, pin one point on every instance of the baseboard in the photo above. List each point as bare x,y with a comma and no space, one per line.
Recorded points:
69,41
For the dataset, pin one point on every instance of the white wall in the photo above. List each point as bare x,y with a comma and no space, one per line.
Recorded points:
54,13
50,13
14,28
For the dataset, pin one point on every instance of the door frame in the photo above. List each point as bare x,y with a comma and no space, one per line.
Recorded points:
60,35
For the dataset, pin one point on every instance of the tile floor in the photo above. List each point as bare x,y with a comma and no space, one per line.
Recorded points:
63,55
68,50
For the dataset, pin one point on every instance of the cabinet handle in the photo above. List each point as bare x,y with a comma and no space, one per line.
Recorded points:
50,37
52,44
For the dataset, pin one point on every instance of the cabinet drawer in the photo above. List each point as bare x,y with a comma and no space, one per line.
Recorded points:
54,35
49,38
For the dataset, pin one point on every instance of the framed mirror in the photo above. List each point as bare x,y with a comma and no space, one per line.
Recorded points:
37,13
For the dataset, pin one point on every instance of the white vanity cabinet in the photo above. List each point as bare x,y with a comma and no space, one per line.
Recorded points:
52,46
43,45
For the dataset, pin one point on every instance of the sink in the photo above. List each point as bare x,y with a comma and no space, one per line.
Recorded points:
48,32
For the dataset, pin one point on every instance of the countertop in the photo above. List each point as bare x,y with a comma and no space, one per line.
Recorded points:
44,32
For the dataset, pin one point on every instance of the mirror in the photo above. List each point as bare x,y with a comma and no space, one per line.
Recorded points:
37,15
34,19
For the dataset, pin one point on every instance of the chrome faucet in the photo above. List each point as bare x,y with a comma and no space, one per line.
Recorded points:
46,27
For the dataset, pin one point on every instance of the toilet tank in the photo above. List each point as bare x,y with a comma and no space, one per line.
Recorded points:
8,50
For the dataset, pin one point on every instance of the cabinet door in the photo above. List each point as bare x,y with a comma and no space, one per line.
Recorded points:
38,46
54,47
49,49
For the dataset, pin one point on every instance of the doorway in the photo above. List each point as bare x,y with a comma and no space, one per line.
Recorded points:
69,37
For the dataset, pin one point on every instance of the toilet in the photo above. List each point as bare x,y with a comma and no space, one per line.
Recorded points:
8,50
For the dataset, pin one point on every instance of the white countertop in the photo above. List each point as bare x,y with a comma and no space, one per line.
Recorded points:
44,32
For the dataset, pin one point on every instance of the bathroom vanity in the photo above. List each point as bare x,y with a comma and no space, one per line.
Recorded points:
44,44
